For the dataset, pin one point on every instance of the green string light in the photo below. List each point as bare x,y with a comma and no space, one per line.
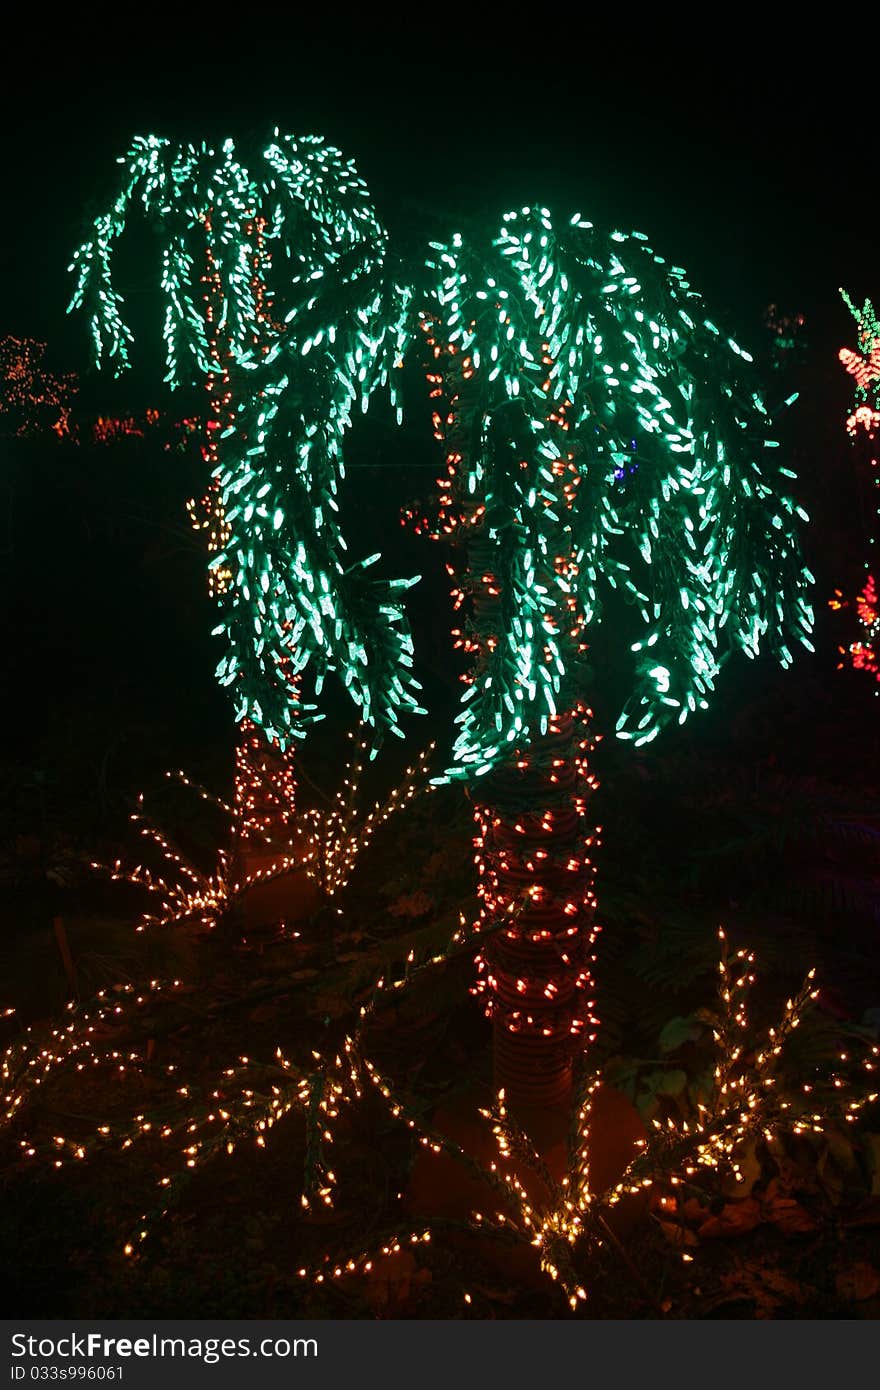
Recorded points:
603,436
334,331
614,441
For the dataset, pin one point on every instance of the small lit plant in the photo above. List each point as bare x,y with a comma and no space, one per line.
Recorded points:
187,894
324,843
335,838
569,1223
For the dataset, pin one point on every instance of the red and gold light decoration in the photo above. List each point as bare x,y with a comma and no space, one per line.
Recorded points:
267,836
863,651
863,426
33,399
265,791
535,873
108,429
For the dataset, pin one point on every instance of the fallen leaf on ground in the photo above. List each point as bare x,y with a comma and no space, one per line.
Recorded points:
766,1287
735,1219
784,1212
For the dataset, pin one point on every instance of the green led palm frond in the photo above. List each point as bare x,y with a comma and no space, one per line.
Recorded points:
292,595
305,305
603,435
204,203
295,595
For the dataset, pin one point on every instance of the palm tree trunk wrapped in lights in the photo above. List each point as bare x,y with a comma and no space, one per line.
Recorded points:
535,866
532,851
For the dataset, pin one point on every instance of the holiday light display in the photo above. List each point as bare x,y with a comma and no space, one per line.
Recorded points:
314,321
749,1096
28,1062
559,354
38,402
606,451
209,515
606,447
263,821
788,340
31,397
107,429
534,854
264,774
336,837
272,245
264,792
863,423
564,1226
